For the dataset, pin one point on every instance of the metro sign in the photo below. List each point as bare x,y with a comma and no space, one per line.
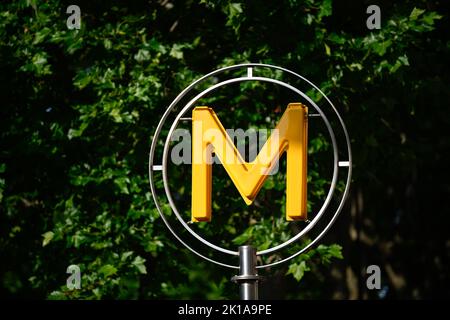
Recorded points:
290,136
210,143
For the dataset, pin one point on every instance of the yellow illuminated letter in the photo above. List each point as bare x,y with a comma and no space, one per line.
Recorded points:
290,135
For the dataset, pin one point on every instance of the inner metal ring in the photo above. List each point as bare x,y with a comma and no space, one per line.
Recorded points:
189,106
182,94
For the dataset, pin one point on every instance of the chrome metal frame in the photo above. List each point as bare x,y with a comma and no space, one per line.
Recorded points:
249,77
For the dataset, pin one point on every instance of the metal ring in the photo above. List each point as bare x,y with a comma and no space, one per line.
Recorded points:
187,89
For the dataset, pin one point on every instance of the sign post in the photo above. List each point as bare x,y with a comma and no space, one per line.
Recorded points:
248,178
248,278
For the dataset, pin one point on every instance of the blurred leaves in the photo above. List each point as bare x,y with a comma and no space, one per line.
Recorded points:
298,270
48,236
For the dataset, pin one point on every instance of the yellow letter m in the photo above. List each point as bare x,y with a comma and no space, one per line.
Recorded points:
290,136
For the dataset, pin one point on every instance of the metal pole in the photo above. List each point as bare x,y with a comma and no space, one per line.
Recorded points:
247,278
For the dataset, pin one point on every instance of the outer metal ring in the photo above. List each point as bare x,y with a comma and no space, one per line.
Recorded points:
335,152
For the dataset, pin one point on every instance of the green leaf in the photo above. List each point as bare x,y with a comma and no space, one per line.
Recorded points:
57,295
155,45
328,252
333,37
404,60
107,270
142,55
235,9
244,237
356,66
176,51
122,183
326,9
415,13
381,47
125,255
139,263
327,49
401,61
335,251
430,17
48,236
75,133
298,270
